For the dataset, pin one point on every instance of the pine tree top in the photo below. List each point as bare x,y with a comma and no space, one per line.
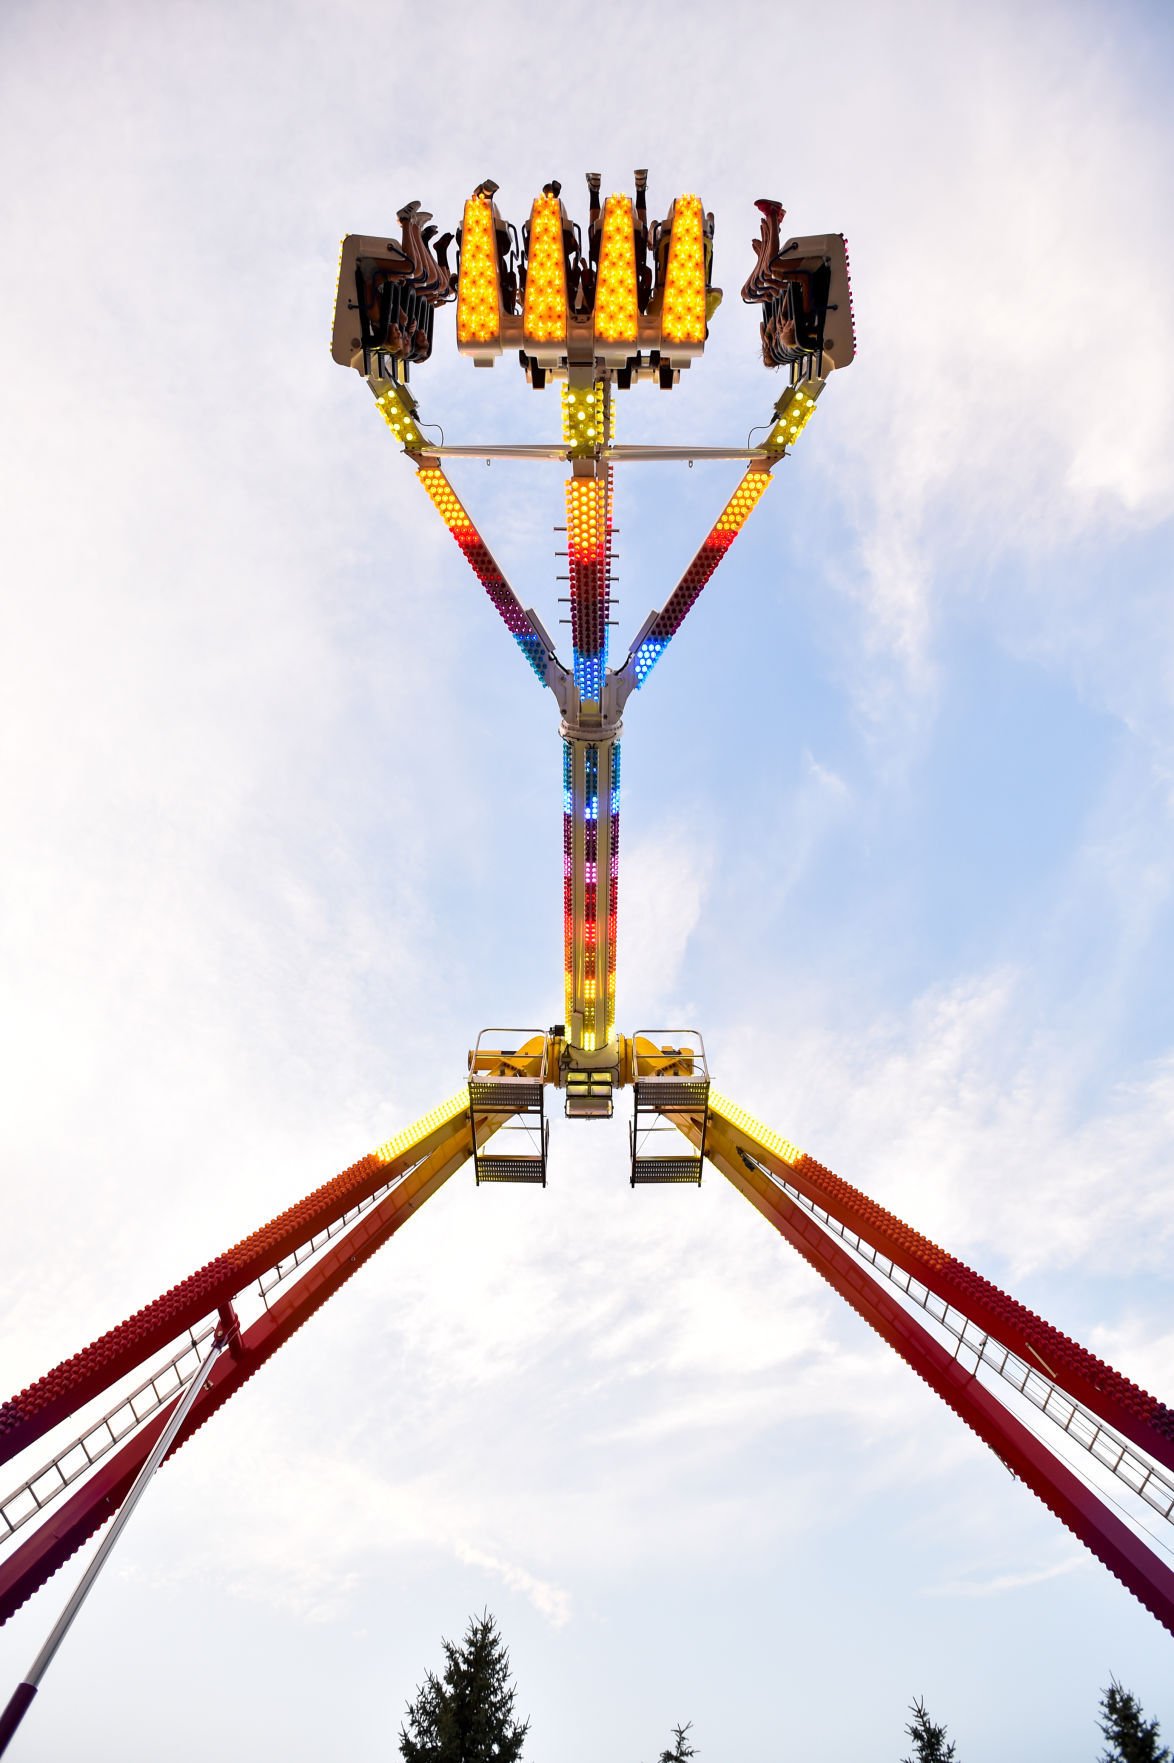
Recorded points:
467,1714
1131,1737
929,1739
682,1749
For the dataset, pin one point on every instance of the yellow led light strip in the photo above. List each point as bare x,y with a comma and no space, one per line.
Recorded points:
683,313
445,500
615,284
764,1136
793,412
410,1136
399,419
337,283
742,503
478,289
544,314
583,419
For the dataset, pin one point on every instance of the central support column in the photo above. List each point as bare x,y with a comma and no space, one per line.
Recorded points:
591,727
591,825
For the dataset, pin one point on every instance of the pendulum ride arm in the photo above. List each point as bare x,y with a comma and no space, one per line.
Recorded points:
1128,1433
333,1231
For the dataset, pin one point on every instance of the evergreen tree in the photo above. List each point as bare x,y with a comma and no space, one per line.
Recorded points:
1131,1738
467,1715
929,1739
682,1749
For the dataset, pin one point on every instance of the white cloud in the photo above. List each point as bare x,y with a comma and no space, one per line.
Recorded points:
969,1119
665,882
1003,402
549,1600
278,822
994,1585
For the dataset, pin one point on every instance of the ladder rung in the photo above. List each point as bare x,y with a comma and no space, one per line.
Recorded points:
506,1095
672,1092
517,1168
647,1170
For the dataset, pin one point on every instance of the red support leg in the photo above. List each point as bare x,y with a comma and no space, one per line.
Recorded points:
1121,1404
79,1516
729,1134
65,1389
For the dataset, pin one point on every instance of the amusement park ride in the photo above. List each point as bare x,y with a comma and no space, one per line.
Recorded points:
629,300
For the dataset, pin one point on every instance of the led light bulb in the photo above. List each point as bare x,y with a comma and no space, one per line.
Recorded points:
478,288
683,312
544,313
615,283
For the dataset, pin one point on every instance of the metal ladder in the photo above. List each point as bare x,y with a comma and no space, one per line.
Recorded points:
670,1080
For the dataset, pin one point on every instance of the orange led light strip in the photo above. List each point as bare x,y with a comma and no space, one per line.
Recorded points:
683,313
588,519
615,283
544,313
478,288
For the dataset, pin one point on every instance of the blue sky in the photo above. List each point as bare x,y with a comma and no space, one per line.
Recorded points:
282,824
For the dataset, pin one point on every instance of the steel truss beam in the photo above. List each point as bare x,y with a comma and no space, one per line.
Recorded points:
757,1160
424,1156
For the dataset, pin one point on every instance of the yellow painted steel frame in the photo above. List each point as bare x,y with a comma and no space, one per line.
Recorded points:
729,1127
441,1139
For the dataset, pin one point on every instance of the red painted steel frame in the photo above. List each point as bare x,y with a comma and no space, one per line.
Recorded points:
1074,1503
65,1389
72,1523
1117,1401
